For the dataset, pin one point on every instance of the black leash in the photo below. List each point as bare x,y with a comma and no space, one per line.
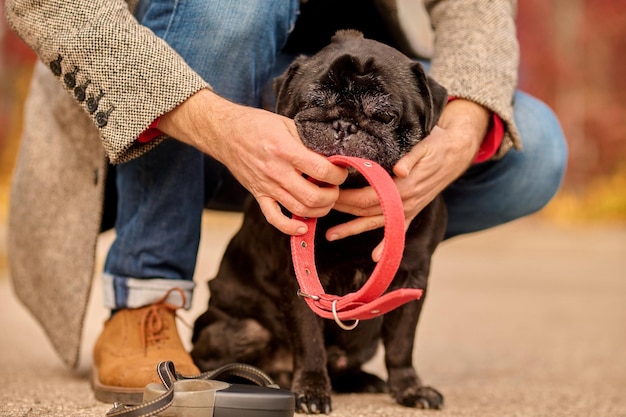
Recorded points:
168,375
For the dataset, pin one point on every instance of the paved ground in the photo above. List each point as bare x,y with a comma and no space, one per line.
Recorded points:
525,320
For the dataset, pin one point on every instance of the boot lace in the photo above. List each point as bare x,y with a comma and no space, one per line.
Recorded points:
152,324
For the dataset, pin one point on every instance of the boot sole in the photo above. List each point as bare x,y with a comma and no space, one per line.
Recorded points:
112,394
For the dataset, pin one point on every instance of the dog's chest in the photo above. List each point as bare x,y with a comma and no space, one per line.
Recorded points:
346,264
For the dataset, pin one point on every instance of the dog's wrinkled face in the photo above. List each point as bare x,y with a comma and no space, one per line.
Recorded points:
359,97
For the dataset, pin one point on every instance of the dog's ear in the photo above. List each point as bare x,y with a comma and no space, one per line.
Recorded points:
282,91
435,96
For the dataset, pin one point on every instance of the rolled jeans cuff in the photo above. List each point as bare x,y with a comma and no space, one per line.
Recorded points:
125,292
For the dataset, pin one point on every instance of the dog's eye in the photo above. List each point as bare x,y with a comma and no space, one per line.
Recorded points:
313,98
318,102
311,103
384,117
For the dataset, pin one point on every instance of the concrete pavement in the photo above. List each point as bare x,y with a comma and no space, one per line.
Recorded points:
525,320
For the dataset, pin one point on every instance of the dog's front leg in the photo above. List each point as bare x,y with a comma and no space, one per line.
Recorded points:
311,384
399,338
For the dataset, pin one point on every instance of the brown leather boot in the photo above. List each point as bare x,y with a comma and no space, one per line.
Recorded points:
130,347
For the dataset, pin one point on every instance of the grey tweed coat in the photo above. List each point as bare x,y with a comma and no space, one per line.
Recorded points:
102,78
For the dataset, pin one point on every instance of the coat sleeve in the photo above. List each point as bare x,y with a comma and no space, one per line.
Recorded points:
119,72
476,56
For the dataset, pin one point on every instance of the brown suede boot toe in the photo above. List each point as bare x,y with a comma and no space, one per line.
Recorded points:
129,349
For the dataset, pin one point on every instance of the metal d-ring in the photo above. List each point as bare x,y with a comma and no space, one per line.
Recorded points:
339,322
311,296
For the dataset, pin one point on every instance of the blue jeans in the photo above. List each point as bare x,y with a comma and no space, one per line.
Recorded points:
235,46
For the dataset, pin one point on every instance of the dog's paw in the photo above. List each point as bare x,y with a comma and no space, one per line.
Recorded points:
408,390
420,397
312,393
313,403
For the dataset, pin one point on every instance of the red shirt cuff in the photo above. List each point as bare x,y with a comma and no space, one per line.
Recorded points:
492,140
151,132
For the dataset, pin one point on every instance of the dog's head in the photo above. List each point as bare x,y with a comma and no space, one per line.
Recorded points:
359,97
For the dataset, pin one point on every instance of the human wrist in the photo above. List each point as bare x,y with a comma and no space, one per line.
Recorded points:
479,131
471,116
192,121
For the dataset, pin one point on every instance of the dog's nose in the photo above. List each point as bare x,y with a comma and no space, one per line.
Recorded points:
344,128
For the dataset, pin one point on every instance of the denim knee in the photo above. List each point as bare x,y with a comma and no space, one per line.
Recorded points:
253,25
232,45
544,142
519,184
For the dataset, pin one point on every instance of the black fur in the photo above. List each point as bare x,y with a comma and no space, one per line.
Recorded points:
355,97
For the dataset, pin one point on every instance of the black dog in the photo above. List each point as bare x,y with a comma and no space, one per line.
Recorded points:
356,97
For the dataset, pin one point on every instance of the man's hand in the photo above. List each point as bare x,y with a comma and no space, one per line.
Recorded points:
265,154
423,173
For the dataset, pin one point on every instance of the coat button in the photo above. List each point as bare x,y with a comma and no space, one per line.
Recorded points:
70,78
102,118
55,66
80,92
92,103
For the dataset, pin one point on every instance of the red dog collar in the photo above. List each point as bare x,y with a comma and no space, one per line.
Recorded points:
369,301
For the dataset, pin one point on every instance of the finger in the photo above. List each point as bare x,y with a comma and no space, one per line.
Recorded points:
309,200
274,215
312,195
320,168
301,160
359,211
404,166
377,253
355,227
286,185
359,202
305,199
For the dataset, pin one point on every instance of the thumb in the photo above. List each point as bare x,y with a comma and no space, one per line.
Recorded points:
404,166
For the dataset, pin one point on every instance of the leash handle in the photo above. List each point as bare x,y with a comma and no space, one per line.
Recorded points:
168,376
368,302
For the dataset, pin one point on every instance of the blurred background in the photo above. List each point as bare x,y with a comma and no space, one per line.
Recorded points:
572,58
